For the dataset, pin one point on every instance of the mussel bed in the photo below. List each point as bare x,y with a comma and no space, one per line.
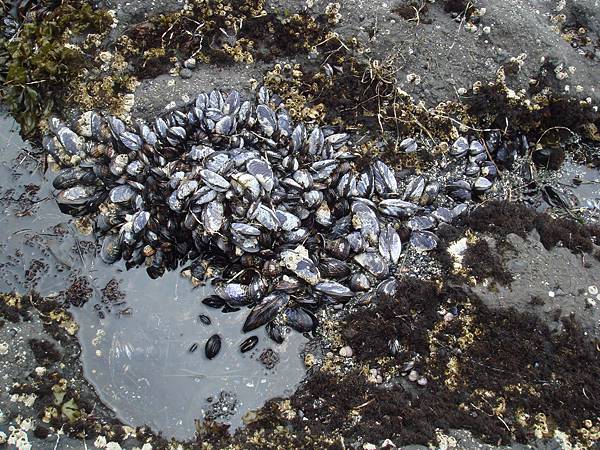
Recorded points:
282,219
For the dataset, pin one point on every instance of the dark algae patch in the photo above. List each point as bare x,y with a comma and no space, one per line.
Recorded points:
493,372
483,262
502,218
514,373
573,235
44,351
501,374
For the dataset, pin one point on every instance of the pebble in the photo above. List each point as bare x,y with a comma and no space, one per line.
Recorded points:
422,381
190,63
413,375
374,377
346,351
185,73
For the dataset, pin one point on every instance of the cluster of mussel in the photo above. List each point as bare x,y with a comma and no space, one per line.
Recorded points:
282,219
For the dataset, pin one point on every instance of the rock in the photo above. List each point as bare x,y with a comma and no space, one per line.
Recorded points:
413,375
185,73
250,417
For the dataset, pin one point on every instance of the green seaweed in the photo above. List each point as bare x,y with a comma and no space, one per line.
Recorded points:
43,60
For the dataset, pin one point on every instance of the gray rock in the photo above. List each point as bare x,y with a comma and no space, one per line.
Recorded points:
185,73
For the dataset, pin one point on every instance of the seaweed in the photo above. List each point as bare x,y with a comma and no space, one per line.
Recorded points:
44,61
508,372
503,217
484,263
44,351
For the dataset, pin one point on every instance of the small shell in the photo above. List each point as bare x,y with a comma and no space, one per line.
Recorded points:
204,319
373,263
266,120
131,140
300,320
249,344
390,245
387,289
385,180
287,220
121,194
213,346
267,218
214,180
265,311
423,240
315,141
213,217
460,147
140,220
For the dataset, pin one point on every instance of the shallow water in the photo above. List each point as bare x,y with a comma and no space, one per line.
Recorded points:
140,363
135,343
586,191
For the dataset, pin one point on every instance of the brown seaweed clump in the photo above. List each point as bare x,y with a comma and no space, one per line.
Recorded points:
501,374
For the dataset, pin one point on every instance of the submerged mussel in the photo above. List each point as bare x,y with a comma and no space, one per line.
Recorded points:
249,344
213,346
